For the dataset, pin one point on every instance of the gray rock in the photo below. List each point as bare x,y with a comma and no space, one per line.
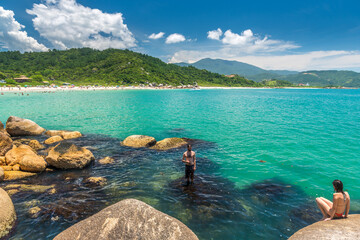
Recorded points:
128,219
347,228
7,214
16,126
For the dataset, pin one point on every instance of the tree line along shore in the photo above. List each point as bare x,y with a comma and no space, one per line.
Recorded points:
111,67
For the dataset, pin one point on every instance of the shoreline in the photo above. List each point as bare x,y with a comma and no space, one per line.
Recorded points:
63,89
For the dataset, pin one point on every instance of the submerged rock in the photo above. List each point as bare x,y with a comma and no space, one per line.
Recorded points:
347,228
53,139
6,143
7,214
95,181
16,126
138,141
34,212
67,156
29,187
106,160
27,159
128,219
170,143
14,175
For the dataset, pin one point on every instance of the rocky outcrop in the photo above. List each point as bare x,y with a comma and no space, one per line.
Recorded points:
129,219
2,130
7,214
106,160
2,174
170,143
66,156
347,228
27,159
53,139
63,134
14,175
138,141
5,143
16,126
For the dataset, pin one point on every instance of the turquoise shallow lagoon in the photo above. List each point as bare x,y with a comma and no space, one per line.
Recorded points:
305,138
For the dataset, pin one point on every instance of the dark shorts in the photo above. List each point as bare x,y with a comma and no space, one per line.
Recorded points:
189,170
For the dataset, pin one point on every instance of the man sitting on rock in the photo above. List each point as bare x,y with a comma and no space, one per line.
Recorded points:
190,164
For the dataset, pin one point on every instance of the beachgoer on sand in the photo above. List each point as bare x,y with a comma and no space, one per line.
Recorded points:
189,159
339,207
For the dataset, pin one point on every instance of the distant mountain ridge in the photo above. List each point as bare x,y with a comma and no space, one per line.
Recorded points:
313,78
232,67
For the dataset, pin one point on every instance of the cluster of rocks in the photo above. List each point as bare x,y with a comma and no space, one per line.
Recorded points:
19,158
138,141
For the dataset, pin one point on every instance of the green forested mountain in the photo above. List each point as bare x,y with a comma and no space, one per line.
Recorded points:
326,78
109,67
234,67
313,78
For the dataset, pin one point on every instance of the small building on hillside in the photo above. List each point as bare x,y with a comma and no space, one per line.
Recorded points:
22,79
230,76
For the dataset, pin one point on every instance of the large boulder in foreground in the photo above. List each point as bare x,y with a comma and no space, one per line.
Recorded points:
16,126
7,214
25,156
6,143
138,141
67,156
170,143
347,228
128,219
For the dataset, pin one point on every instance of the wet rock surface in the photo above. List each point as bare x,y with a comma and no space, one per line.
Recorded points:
16,126
129,219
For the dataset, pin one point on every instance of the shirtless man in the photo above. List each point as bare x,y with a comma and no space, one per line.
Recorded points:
189,159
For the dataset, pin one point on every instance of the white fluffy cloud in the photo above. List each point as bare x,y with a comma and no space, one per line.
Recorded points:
215,34
175,38
315,60
157,35
67,24
12,37
247,42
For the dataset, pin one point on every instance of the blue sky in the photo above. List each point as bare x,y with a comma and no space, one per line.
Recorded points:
293,35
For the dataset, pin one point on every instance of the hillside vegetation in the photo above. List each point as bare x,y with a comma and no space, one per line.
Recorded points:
87,66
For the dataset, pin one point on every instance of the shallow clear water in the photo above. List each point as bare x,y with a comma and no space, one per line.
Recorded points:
307,138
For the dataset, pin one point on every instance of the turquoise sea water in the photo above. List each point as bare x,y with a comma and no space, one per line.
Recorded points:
307,138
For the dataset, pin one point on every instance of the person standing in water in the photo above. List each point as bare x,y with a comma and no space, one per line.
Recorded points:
339,207
189,159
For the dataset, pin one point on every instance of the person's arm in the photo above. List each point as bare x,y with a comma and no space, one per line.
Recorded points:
183,159
334,207
194,161
347,206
